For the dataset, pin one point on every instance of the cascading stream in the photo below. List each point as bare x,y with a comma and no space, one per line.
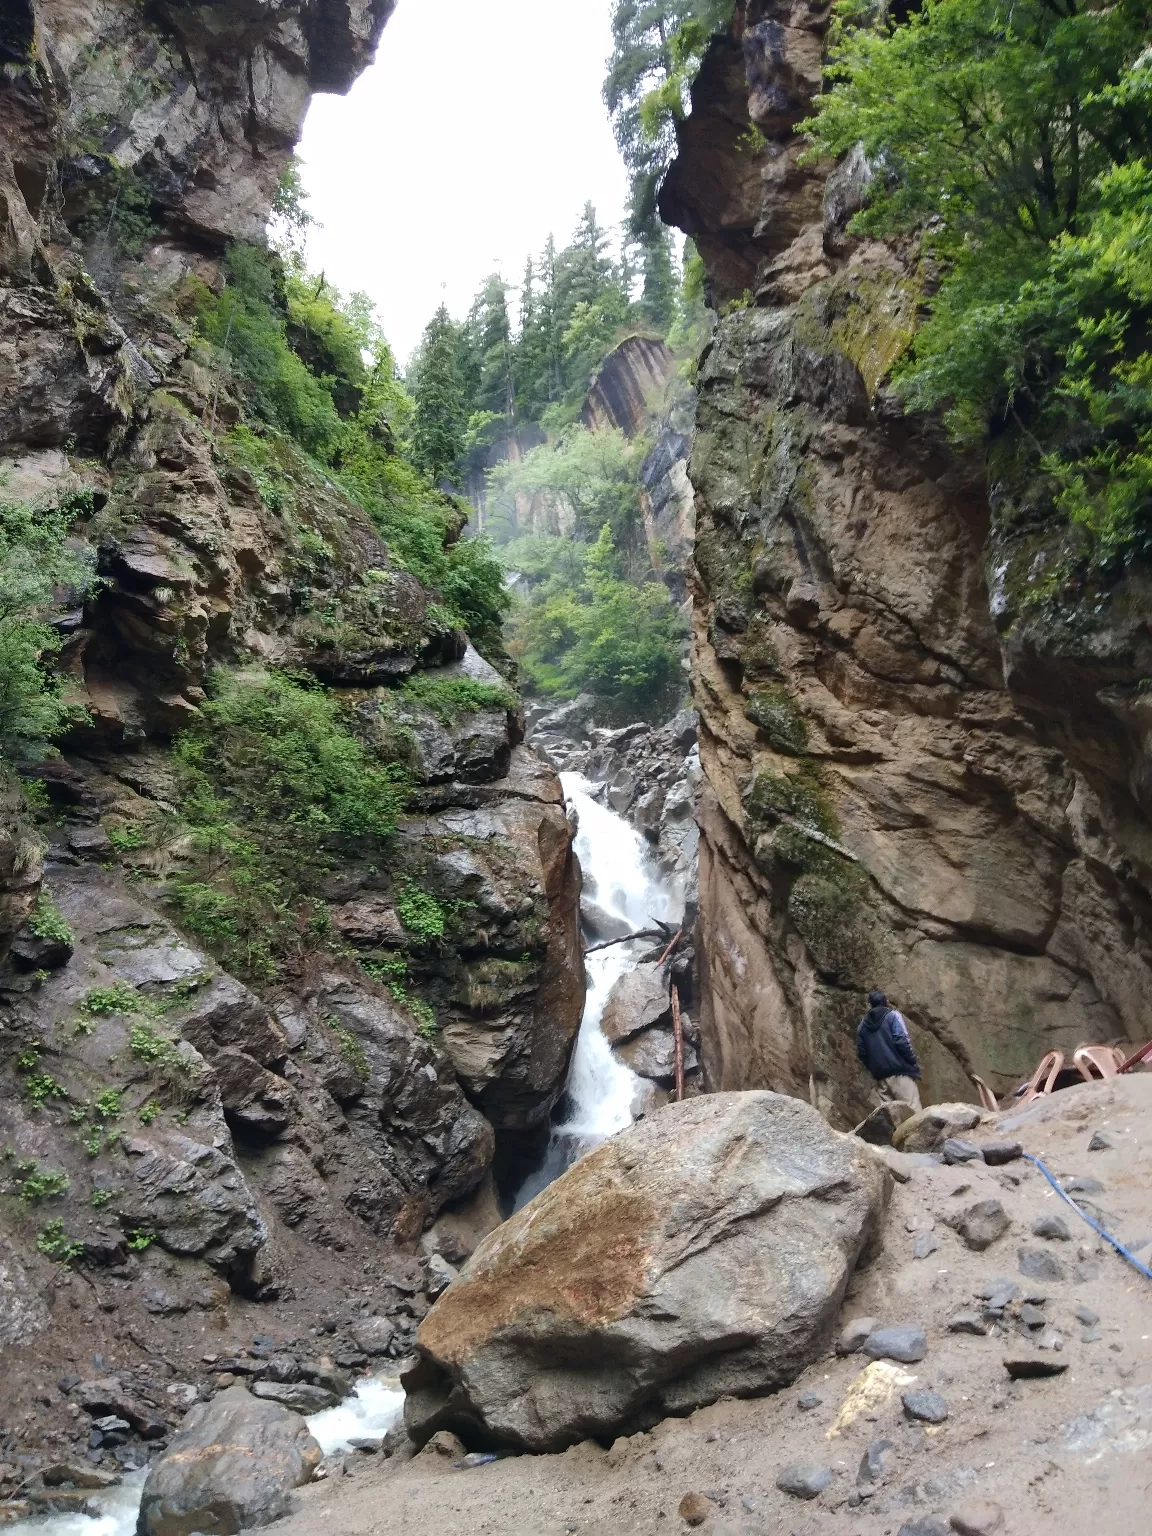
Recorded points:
622,881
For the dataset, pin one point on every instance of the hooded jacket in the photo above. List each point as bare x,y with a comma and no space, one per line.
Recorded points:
883,1046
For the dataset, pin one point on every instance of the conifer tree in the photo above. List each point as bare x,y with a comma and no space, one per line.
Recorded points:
438,396
658,299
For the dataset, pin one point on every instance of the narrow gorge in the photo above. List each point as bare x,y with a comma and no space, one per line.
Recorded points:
453,811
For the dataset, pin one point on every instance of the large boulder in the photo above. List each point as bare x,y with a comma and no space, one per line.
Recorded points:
704,1252
928,1129
232,1467
639,1000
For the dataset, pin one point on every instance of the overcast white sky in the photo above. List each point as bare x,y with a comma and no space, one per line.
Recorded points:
478,131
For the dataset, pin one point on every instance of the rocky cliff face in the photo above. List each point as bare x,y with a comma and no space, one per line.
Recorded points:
184,1135
920,772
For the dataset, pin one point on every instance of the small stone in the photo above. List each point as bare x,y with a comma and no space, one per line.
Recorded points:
804,1479
977,1517
1091,1336
1086,1316
968,1322
996,1153
1038,1265
1116,1348
1053,1227
1050,1338
926,1525
1087,1271
875,1464
1101,1142
853,1334
444,1443
996,1295
694,1508
1031,1316
957,1150
1021,1368
906,1343
808,1400
981,1224
929,1407
1081,1185
366,1446
926,1244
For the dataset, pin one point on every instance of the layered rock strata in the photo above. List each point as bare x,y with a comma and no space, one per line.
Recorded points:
919,772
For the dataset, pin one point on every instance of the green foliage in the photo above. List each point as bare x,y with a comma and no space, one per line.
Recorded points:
47,921
778,717
276,786
147,1113
351,1050
420,912
40,1088
54,1242
602,635
427,1025
120,997
102,1197
448,698
591,477
118,209
657,48
38,573
151,1047
35,1183
438,418
111,1102
140,1238
1019,136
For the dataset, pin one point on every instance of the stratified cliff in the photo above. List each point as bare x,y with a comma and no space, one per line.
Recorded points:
920,772
184,1135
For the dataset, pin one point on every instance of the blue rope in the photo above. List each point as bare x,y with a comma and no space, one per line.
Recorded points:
1095,1225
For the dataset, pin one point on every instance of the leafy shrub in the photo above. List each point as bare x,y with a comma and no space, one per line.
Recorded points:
147,1113
35,1183
37,568
149,1046
109,1104
276,785
120,997
47,921
449,697
420,912
53,1241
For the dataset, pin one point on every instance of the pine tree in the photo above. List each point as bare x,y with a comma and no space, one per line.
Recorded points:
658,300
439,407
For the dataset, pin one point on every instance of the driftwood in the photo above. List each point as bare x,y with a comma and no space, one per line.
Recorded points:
677,1044
626,938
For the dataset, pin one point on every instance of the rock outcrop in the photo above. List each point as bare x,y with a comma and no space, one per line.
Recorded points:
184,1134
916,773
702,1253
627,385
232,1467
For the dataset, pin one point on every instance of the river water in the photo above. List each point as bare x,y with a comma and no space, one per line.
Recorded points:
601,1097
622,882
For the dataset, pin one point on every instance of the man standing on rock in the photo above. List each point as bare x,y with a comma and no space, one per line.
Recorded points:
883,1046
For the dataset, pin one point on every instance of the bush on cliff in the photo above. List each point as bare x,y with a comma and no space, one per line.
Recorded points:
1017,137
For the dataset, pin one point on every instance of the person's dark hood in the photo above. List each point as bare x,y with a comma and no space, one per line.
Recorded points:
875,1017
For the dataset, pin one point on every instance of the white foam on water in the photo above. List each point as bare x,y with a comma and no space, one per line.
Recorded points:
621,877
368,1414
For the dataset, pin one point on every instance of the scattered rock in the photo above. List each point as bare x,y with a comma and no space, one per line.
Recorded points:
880,1126
1091,1336
876,1463
444,1443
106,1397
1080,1184
694,1508
905,1343
977,1517
1050,1338
809,1400
927,1130
300,1395
981,1224
925,1405
366,1445
1086,1316
440,1274
996,1295
1031,1316
1025,1366
968,1322
853,1334
957,1150
1052,1227
926,1525
60,1472
1038,1265
926,1244
996,1153
804,1479
373,1335
768,1265
1101,1142
231,1466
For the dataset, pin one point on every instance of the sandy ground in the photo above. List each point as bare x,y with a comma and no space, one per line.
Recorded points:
1026,1446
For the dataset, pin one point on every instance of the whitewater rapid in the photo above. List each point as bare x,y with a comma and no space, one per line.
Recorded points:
622,881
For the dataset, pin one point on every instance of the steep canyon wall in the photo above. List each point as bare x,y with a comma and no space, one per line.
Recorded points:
918,773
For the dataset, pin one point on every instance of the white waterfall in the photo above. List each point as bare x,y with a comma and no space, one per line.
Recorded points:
623,884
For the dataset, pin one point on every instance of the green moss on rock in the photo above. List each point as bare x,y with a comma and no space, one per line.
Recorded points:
868,315
776,714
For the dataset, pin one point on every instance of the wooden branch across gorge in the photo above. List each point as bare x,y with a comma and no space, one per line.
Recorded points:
677,1044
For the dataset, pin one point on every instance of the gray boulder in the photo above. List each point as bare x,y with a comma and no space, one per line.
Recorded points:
702,1253
930,1128
640,1000
232,1466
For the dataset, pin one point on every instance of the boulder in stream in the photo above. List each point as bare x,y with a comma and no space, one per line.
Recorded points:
703,1252
232,1467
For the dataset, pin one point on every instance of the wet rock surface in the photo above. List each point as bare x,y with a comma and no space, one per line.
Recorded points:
667,1270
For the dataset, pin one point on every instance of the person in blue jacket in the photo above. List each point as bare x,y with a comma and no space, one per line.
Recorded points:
883,1046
